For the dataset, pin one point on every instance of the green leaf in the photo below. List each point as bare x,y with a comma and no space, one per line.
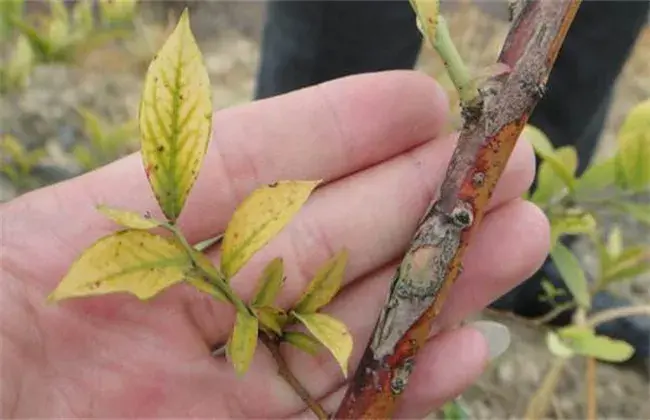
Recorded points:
269,283
332,333
271,317
552,180
133,261
242,343
572,223
572,273
563,161
631,262
615,242
175,118
557,347
304,342
82,16
129,219
584,341
324,285
597,177
261,216
634,147
455,410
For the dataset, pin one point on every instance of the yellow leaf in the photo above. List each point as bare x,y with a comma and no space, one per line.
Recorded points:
634,147
175,118
269,284
133,261
127,218
271,317
325,284
332,333
242,342
264,213
304,342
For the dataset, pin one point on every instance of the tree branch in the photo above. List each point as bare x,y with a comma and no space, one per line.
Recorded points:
433,261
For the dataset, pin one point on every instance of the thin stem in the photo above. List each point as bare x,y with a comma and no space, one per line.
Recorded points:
612,314
213,279
549,316
590,378
273,345
458,72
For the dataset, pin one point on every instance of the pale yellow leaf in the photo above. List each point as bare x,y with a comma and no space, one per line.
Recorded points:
242,342
271,317
270,283
262,215
175,118
325,284
128,219
332,333
304,342
133,261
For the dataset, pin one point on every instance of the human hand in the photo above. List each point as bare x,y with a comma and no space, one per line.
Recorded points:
375,141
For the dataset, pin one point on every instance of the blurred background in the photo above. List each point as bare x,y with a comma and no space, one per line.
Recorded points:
70,81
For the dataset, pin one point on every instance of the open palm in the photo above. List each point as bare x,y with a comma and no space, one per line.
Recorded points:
375,141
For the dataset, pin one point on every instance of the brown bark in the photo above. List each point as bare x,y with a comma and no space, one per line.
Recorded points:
433,261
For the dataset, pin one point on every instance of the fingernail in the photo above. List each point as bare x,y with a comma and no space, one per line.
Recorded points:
497,337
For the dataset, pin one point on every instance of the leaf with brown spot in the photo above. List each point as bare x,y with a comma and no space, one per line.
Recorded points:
261,216
174,129
133,261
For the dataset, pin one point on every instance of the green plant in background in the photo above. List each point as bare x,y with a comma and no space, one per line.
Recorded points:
17,162
106,141
15,72
62,36
614,186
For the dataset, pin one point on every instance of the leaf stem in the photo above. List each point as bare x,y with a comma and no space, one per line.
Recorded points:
612,314
590,379
273,345
549,316
213,280
453,62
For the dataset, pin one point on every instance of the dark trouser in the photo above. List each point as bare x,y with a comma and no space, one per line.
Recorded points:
309,42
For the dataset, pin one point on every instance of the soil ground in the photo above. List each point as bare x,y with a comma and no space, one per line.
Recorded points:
108,83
